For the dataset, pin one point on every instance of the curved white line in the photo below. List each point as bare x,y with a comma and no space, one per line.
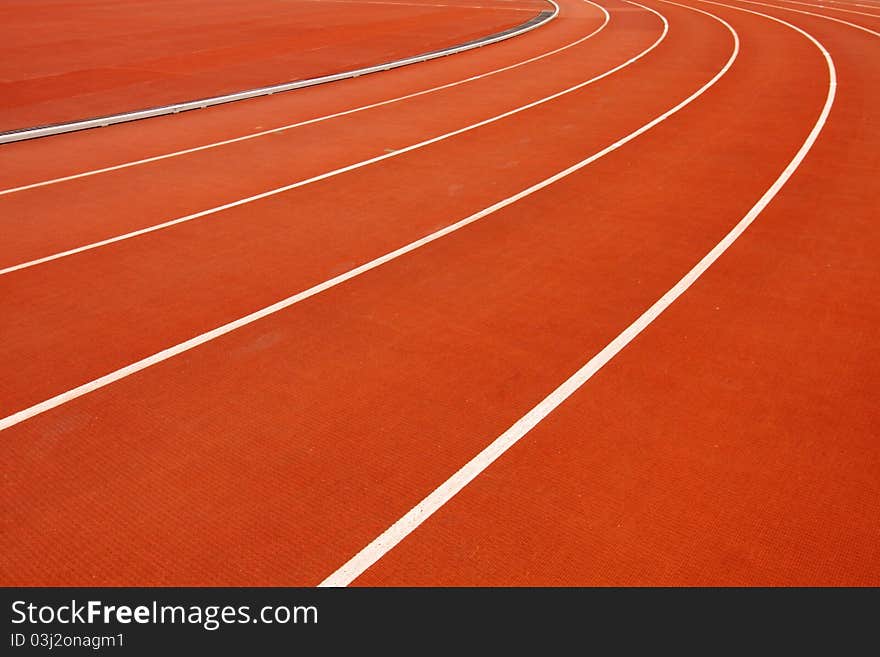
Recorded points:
452,486
810,13
847,11
319,119
334,172
170,352
247,94
824,5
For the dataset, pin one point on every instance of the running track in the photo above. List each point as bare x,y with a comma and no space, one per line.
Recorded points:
648,355
62,61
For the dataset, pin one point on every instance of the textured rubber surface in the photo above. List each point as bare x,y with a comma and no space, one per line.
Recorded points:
733,442
67,62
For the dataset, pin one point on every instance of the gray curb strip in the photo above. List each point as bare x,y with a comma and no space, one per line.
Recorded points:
103,121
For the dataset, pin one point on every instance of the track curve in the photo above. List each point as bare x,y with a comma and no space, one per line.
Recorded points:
730,441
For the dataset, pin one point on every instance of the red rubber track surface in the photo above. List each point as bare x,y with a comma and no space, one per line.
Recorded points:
733,442
862,13
62,61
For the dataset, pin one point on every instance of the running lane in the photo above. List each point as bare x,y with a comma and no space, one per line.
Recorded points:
67,61
273,454
734,441
44,220
108,307
37,160
864,15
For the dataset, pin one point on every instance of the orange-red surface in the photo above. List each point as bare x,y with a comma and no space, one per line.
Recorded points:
62,60
734,442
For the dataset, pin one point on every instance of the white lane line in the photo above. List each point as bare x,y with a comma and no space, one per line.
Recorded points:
34,132
810,13
334,172
452,486
170,352
847,4
847,11
319,119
